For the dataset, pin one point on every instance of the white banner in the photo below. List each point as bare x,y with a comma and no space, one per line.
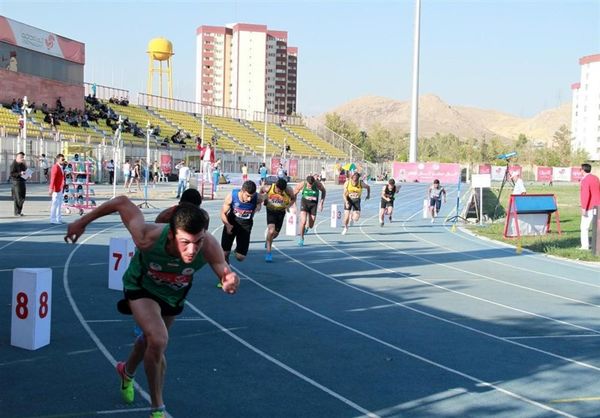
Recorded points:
561,173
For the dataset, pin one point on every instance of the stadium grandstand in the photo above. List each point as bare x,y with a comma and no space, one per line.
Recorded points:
46,104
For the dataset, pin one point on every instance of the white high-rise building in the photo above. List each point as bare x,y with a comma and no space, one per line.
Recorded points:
245,66
585,113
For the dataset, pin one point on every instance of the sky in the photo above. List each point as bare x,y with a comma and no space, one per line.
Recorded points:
518,57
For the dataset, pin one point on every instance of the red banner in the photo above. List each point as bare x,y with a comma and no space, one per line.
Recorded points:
293,168
576,174
544,174
485,169
275,165
426,172
166,162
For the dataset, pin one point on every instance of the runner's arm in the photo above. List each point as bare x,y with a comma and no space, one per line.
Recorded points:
366,186
224,211
144,235
213,254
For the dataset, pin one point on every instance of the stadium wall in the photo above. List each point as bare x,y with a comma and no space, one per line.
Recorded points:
39,90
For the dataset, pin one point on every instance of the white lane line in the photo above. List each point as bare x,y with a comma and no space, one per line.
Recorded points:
27,236
82,320
439,318
283,365
394,347
273,360
533,337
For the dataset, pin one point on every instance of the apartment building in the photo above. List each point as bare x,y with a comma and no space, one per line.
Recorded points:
585,113
246,66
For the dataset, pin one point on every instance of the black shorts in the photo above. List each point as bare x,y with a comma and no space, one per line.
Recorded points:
165,308
309,206
275,217
437,203
242,237
386,204
352,204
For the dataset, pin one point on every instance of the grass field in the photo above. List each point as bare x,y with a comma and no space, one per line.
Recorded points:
563,245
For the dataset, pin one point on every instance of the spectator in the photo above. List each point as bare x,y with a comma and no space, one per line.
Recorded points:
519,187
244,172
110,166
18,175
263,174
589,196
184,175
57,180
44,166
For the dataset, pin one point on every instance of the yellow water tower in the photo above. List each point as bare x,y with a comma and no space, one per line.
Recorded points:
161,50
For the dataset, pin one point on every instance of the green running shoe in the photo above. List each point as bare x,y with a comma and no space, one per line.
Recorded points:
127,389
157,414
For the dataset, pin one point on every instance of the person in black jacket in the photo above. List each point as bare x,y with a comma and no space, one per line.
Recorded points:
18,171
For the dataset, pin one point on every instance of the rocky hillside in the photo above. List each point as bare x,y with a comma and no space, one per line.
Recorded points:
436,116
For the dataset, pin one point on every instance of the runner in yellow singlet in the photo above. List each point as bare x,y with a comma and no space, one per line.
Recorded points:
352,193
279,198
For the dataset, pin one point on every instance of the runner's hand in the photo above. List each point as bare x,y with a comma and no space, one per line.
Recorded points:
229,228
74,231
229,281
321,203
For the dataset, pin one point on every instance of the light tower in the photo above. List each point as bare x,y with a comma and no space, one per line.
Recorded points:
161,50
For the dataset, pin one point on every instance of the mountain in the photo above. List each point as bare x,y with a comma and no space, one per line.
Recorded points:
437,116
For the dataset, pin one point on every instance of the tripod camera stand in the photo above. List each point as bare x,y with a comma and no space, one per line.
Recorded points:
507,178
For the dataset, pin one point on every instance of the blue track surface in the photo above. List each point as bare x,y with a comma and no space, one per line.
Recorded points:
405,320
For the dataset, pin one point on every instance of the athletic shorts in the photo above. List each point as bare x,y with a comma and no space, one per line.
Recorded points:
309,206
275,217
165,308
437,203
240,235
386,204
352,204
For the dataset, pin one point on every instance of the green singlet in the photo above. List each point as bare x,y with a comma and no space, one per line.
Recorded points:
311,194
166,277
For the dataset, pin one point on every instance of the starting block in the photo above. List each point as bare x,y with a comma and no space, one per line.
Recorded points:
336,216
120,252
31,308
291,224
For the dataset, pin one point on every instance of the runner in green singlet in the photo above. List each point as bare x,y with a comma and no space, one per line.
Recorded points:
310,189
157,282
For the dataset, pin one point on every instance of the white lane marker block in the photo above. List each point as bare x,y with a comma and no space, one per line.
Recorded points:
31,308
335,217
425,208
291,225
120,252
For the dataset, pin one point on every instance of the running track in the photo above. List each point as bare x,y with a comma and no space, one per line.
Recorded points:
406,320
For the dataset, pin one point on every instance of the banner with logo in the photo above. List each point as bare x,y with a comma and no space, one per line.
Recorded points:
543,174
275,165
561,173
576,174
293,168
25,36
485,169
426,172
166,163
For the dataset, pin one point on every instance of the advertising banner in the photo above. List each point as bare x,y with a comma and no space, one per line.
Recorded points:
543,174
275,165
498,172
166,162
576,174
485,169
561,173
426,172
25,36
293,168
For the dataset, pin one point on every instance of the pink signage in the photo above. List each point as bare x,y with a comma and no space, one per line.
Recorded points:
576,174
426,172
165,163
544,174
293,168
275,165
485,169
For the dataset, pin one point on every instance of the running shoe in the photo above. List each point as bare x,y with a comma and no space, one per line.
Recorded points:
300,242
432,220
345,230
381,223
127,389
268,258
157,414
306,231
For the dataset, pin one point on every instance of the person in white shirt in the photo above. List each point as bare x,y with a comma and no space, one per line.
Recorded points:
184,175
519,187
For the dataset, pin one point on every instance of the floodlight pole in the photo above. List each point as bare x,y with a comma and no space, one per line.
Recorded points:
414,117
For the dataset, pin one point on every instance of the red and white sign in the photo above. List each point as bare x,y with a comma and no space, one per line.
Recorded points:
31,303
561,173
291,225
336,216
166,163
275,165
120,252
543,174
25,36
426,172
576,174
293,168
485,169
